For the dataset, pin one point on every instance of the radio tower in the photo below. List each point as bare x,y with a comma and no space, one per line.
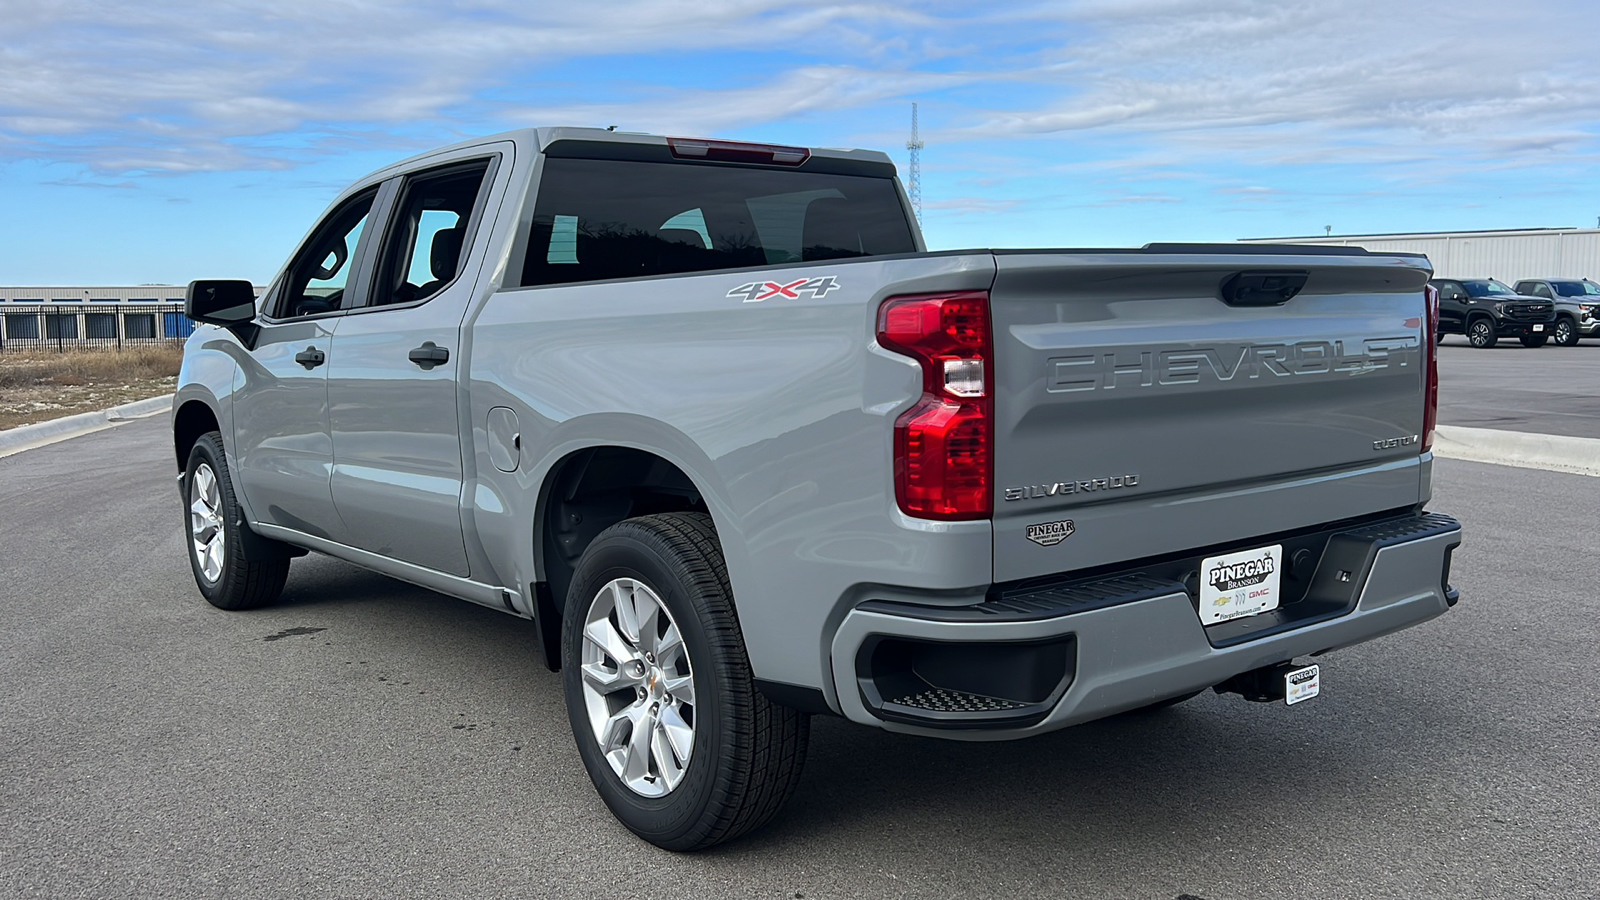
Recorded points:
915,146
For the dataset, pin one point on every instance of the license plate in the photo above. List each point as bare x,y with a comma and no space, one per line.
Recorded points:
1239,584
1301,684
1538,328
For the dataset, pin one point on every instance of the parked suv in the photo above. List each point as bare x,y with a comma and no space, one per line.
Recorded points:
1577,303
1485,310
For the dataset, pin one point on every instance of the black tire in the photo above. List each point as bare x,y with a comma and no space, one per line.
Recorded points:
1567,333
1534,340
1438,336
1481,334
252,572
748,752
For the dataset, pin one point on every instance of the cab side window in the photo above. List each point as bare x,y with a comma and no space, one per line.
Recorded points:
1540,289
320,273
424,249
1449,290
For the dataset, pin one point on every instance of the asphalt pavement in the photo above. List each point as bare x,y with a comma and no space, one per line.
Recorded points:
1548,390
365,738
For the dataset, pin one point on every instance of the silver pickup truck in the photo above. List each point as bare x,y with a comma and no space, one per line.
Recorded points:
712,418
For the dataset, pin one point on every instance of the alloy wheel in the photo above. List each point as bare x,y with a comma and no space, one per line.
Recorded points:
206,531
638,687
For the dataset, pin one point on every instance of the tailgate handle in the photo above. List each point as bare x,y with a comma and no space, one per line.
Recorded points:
1262,288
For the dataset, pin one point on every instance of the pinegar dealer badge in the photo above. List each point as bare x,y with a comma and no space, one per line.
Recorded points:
1048,534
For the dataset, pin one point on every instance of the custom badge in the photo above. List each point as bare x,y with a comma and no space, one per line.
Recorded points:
1049,534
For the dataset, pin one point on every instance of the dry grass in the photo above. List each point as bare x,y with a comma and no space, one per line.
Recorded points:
38,386
90,366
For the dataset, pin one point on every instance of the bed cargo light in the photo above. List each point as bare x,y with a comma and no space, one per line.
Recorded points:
943,446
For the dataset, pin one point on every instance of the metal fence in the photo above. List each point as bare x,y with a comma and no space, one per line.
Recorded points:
61,326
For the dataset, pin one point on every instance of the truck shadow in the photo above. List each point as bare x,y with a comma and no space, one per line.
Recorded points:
1212,774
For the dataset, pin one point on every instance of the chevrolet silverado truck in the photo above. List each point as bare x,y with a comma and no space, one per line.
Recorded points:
710,416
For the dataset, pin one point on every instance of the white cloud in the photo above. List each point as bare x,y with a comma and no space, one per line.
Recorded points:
185,85
1312,82
1418,88
792,93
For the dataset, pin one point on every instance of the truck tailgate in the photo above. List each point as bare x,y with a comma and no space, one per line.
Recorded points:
1133,402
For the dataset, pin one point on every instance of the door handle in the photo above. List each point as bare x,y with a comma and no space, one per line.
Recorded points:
429,355
310,357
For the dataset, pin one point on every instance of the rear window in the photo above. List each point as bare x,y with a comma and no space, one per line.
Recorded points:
599,219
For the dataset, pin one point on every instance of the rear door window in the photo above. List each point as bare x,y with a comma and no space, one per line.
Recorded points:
427,233
603,219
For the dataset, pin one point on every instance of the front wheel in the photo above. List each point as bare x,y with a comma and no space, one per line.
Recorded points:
1566,333
682,747
1535,340
228,574
1480,334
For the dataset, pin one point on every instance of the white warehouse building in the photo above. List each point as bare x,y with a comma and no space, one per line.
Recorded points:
1508,255
142,293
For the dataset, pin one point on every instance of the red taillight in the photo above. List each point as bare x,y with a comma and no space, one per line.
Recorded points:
1430,337
943,458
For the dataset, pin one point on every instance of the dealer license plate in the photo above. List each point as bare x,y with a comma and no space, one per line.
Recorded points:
1239,584
1538,328
1302,684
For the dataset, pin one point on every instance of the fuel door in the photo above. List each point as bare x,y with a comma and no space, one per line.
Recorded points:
505,439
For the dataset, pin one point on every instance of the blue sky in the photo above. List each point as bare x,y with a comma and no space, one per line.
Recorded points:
165,142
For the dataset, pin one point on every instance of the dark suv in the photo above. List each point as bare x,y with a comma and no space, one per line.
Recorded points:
1577,303
1485,311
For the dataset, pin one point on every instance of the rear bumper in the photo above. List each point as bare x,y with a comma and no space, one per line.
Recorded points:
1084,651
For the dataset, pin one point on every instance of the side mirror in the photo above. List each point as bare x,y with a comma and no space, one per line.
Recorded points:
220,302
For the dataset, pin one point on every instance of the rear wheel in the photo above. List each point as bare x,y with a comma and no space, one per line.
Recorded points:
1480,334
1534,340
679,743
229,567
1566,333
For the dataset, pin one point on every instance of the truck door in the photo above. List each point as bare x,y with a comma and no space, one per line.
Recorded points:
1452,307
281,435
392,376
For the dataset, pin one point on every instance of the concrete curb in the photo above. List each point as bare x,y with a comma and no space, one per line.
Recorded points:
40,434
1551,452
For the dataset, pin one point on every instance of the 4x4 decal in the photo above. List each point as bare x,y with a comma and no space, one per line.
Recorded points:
757,291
